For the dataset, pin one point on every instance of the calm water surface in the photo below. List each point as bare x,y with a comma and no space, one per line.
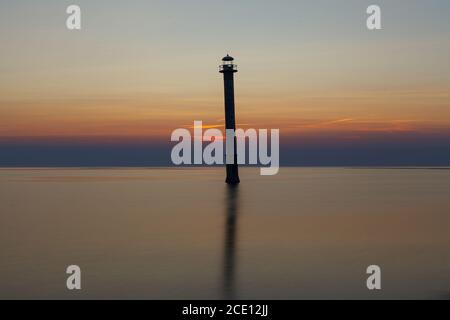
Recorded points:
182,233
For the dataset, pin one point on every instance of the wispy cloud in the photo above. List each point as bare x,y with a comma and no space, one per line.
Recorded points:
367,125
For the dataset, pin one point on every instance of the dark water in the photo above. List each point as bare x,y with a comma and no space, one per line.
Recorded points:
182,233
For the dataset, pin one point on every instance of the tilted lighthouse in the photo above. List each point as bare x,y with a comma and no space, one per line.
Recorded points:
228,69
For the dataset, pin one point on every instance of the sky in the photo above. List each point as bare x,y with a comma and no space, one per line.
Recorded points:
112,92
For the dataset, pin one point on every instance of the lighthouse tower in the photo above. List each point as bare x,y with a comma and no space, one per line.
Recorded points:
228,68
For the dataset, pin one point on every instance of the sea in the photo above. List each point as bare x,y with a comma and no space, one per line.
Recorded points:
182,233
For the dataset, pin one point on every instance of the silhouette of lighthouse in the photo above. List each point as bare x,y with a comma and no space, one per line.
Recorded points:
228,69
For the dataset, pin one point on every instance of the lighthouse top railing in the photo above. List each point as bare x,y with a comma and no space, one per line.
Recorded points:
228,67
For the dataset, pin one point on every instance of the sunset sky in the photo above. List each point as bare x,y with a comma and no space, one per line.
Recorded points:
139,69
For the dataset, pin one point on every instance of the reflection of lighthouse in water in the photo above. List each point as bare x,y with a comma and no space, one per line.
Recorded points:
228,69
229,264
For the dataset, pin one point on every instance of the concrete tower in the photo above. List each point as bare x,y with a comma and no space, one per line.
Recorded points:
228,69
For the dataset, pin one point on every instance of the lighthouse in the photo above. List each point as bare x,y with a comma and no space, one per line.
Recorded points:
228,68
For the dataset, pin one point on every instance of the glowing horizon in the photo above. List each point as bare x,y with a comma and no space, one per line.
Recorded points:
137,71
